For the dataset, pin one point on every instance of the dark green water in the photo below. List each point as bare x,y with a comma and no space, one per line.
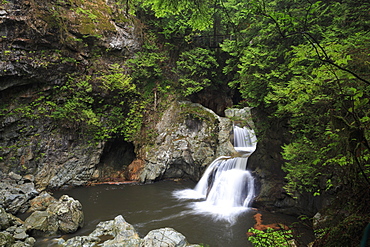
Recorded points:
152,206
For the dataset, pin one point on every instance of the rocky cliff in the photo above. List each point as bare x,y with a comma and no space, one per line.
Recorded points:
44,44
190,137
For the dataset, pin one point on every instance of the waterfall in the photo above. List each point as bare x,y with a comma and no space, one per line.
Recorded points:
226,187
244,140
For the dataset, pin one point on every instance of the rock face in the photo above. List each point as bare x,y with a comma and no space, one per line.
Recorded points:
119,233
190,136
15,193
54,158
28,27
41,202
43,42
266,164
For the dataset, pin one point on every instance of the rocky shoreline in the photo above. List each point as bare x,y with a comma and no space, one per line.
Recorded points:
49,216
118,232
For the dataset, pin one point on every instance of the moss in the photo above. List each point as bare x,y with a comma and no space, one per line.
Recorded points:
196,112
93,18
83,18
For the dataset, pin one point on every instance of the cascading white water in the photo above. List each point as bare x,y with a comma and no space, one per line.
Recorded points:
226,185
244,140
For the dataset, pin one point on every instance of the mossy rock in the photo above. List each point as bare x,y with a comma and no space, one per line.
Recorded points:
82,18
6,239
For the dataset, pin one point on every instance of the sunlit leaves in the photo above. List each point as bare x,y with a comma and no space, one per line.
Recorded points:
196,69
199,12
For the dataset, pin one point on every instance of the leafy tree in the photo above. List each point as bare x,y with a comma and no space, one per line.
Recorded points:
197,11
196,69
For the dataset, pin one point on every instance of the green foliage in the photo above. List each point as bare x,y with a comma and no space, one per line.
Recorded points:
270,237
303,60
88,13
106,105
197,69
344,233
325,94
199,13
150,68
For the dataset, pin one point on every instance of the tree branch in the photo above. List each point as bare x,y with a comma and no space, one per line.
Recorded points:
326,57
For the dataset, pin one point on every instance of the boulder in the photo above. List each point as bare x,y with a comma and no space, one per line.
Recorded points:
119,233
165,237
123,233
41,202
116,232
42,223
69,214
64,216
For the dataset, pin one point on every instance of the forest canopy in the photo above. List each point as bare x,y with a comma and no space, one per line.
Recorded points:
307,62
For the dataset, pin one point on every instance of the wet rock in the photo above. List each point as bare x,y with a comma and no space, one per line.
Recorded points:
122,232
13,232
64,216
41,202
85,241
69,214
165,237
41,223
119,233
116,232
241,115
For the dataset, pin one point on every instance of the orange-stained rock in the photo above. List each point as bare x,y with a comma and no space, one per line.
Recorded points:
260,226
134,169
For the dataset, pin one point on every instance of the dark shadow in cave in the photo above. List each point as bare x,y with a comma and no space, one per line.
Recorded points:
117,156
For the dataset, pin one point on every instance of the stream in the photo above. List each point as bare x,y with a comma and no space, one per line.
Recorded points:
153,206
